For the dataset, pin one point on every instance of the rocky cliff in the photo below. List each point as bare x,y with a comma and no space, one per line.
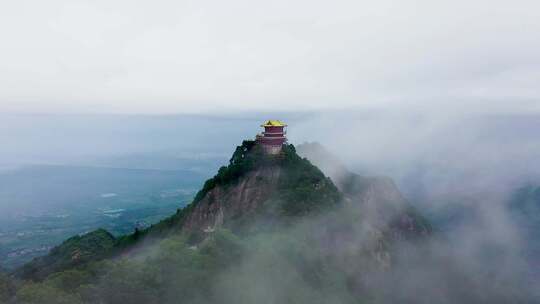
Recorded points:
258,192
380,201
256,186
223,204
357,242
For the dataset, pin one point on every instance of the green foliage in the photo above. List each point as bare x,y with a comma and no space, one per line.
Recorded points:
279,267
69,280
303,188
223,247
74,251
7,288
160,230
171,271
245,158
322,255
290,264
129,282
45,293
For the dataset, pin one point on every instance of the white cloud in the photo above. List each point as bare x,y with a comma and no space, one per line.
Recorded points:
193,56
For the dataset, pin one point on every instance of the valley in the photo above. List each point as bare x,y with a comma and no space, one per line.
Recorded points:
84,199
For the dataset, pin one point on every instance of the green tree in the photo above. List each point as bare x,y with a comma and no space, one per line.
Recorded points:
69,280
6,288
129,282
44,293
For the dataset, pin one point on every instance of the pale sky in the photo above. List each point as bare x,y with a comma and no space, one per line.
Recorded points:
168,56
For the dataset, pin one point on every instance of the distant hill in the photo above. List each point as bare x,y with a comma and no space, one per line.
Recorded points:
42,205
252,188
65,186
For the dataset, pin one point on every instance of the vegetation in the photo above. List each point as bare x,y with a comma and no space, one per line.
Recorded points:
244,159
84,199
172,263
73,252
301,263
7,288
45,293
297,182
224,268
302,189
320,252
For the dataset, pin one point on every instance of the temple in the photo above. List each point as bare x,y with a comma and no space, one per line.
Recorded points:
273,137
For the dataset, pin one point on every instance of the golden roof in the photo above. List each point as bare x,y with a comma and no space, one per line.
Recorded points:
273,123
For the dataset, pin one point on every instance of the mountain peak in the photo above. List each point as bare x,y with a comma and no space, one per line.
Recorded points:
262,186
259,190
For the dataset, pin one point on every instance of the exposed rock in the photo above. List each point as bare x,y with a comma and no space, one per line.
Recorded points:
381,203
241,200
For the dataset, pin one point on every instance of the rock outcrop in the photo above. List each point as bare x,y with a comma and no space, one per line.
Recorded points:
263,188
382,204
223,204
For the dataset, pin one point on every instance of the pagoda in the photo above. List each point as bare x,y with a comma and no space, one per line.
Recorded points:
273,137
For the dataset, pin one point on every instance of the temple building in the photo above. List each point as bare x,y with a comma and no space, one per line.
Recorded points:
273,137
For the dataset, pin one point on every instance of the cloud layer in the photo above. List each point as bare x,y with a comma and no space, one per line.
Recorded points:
199,56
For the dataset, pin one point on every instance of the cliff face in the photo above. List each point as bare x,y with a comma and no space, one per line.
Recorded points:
261,192
267,186
254,188
257,186
380,201
222,204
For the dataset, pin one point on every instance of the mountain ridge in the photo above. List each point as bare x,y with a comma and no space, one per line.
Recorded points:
258,186
257,193
378,196
254,186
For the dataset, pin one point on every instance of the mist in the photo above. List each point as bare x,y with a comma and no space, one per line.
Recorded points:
462,171
308,263
202,57
458,170
434,157
439,162
442,162
114,113
436,152
79,139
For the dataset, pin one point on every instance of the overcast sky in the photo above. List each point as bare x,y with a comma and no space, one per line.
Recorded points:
179,56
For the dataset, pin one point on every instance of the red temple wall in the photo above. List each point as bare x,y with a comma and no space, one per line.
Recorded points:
273,141
273,135
273,129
